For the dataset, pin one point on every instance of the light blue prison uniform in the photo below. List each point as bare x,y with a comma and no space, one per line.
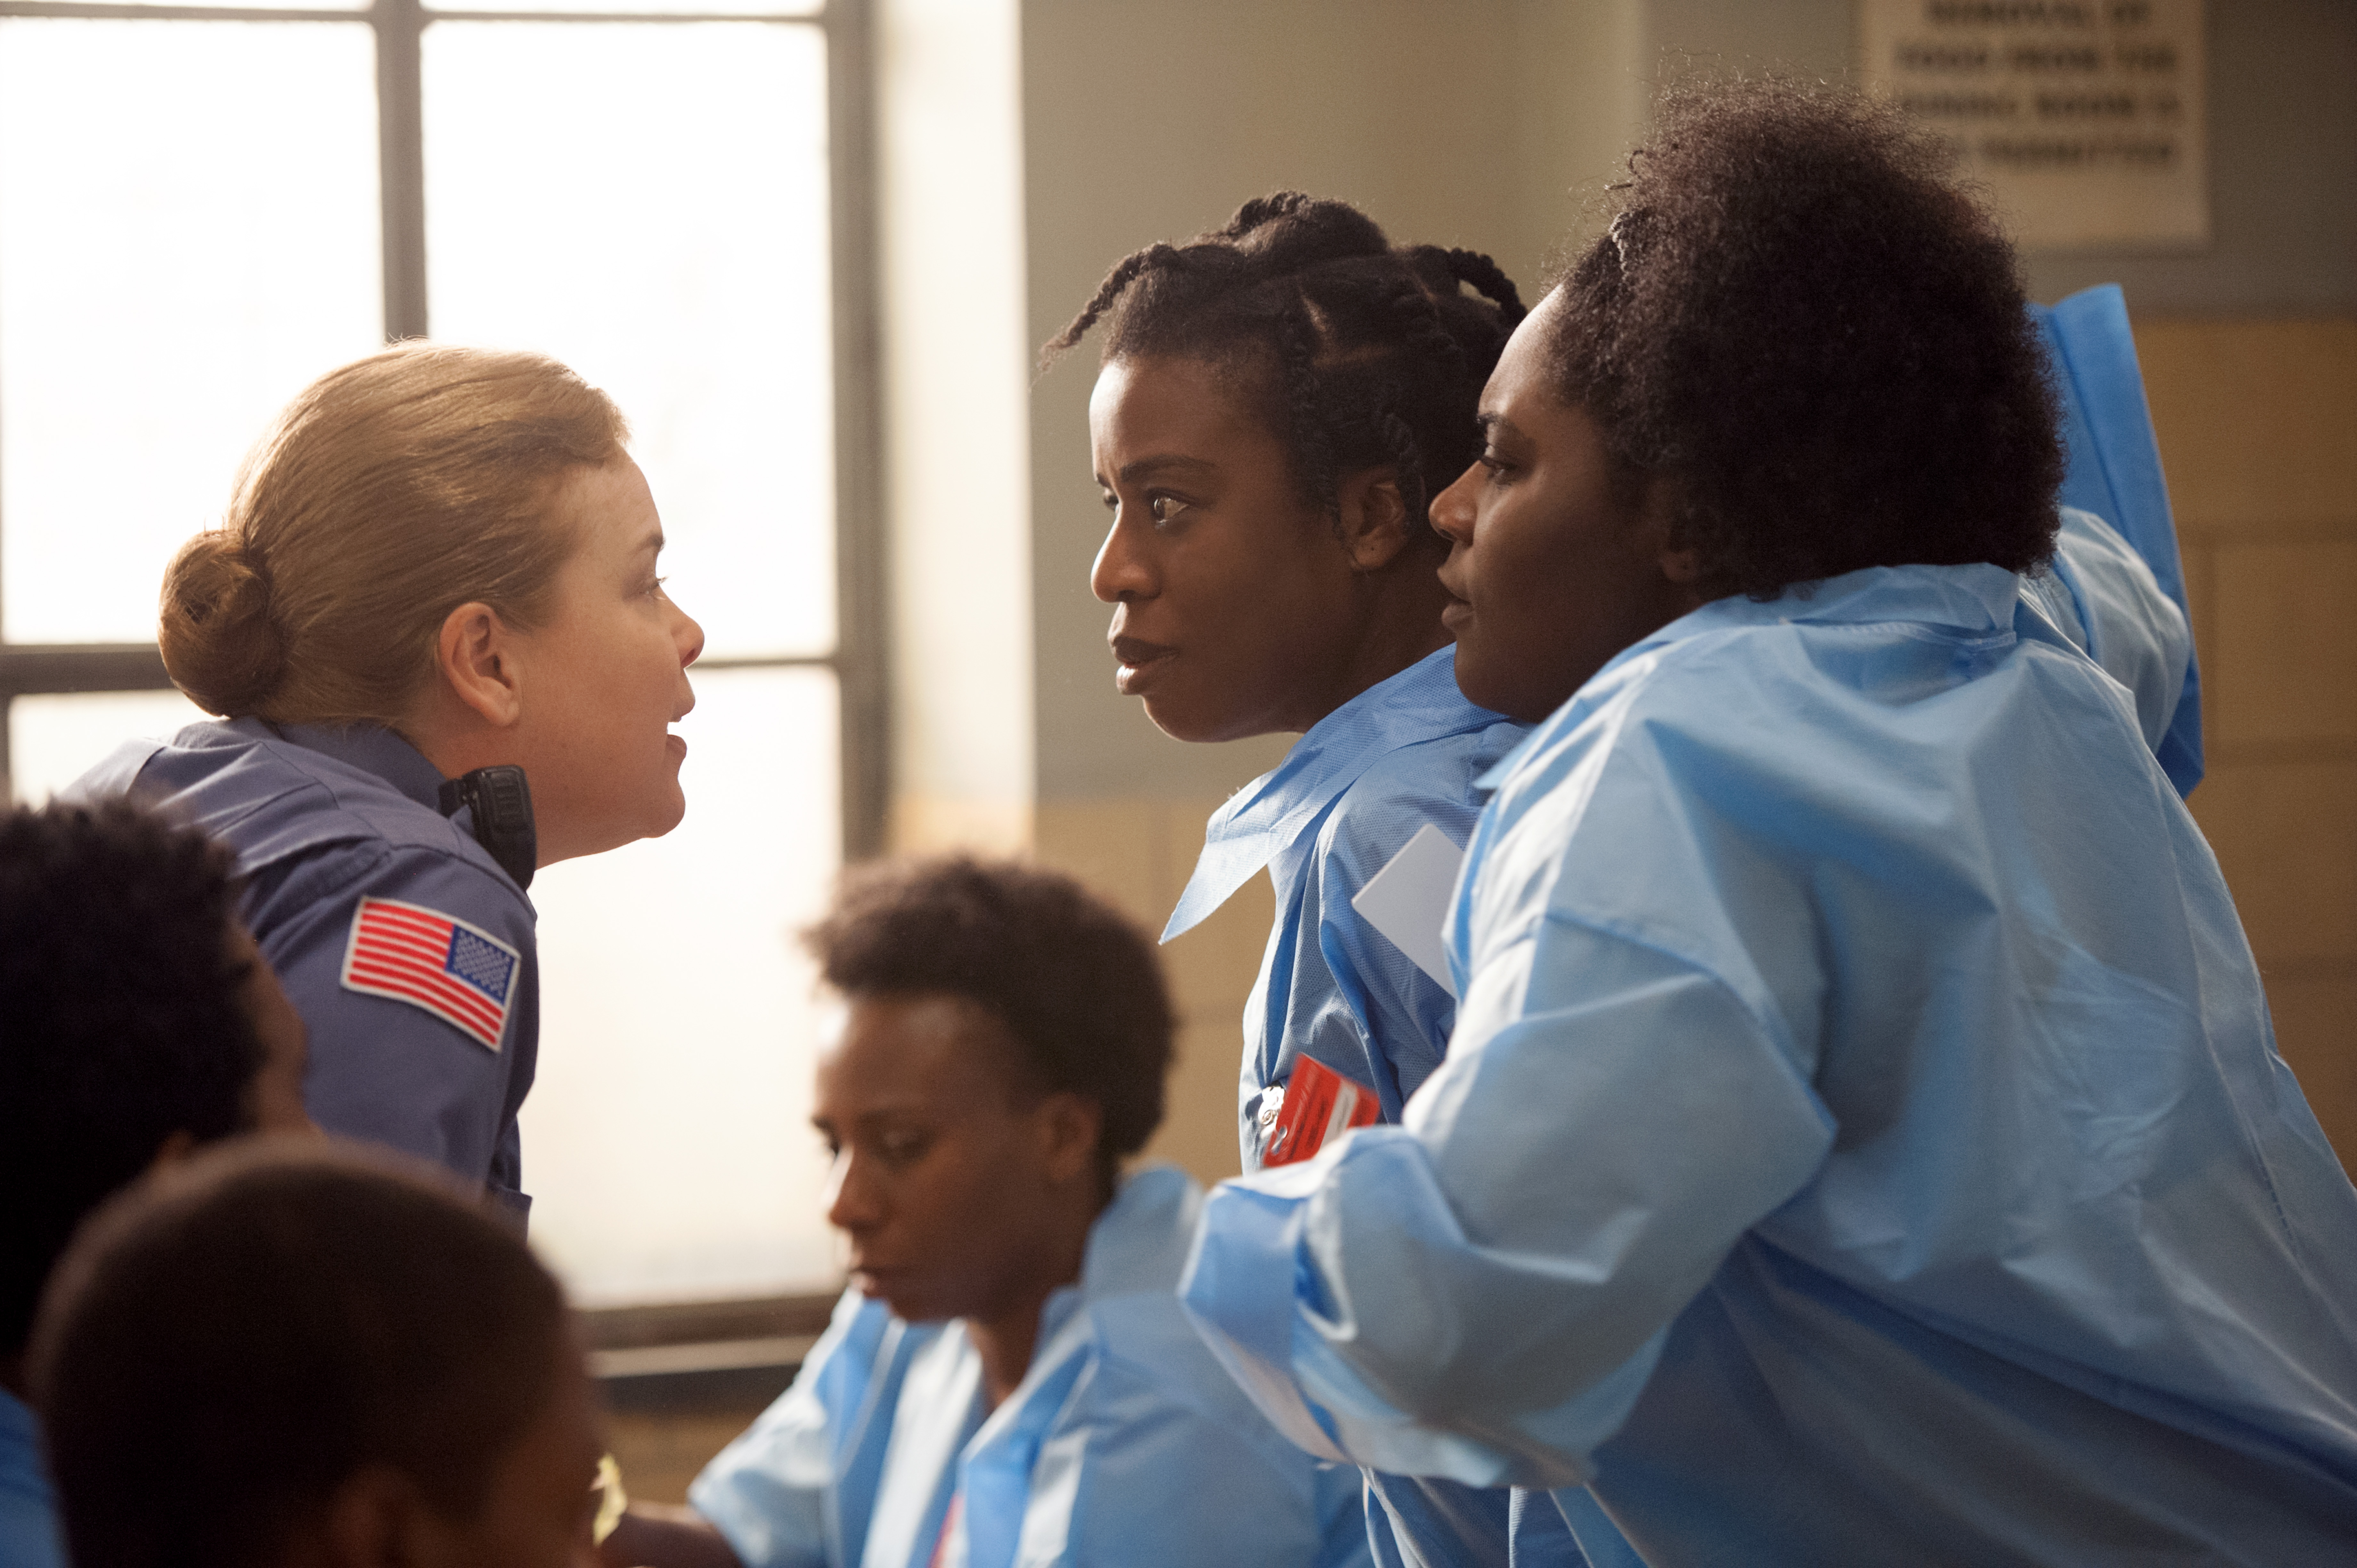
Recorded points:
320,817
1124,1442
1408,751
1863,1140
2113,471
1347,798
29,1533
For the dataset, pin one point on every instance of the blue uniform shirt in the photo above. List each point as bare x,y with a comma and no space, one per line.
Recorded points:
319,818
1863,1140
29,1514
2115,472
1347,798
1125,1442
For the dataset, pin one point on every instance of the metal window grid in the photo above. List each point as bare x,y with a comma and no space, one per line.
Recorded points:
858,660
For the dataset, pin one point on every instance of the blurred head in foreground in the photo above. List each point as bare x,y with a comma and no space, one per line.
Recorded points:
287,1352
137,1022
1004,1045
1799,351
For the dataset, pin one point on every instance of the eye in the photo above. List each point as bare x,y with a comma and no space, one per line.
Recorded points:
1112,501
1500,470
1166,508
902,1148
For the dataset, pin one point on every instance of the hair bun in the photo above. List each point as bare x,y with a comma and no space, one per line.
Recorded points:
219,642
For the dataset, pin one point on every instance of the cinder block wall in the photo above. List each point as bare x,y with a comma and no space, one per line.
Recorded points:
2257,421
1140,854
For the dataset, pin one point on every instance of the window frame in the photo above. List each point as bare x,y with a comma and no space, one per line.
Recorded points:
399,27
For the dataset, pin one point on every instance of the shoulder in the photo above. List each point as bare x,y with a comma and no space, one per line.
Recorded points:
1432,779
295,816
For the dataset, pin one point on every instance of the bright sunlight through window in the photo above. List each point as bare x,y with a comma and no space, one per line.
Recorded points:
197,216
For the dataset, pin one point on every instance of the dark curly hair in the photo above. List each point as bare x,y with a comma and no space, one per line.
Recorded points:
120,1019
224,1348
1800,320
1357,353
1077,984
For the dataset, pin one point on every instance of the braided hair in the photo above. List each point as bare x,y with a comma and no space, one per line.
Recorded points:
1357,354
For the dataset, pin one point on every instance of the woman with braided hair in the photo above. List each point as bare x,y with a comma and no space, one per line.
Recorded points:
1278,403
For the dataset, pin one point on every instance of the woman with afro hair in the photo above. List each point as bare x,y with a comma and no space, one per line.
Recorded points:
1862,1139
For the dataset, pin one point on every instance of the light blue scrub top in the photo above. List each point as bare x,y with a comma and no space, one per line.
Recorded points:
319,817
1124,1442
1409,751
1863,1140
1347,798
29,1536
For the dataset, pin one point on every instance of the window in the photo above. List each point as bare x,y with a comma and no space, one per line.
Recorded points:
202,207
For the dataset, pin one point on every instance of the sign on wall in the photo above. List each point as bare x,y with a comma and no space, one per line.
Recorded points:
2084,118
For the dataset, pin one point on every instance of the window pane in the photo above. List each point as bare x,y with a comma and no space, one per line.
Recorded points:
189,233
644,7
667,1141
256,5
648,203
54,740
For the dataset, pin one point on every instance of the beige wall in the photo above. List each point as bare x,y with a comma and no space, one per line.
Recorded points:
2258,422
1486,123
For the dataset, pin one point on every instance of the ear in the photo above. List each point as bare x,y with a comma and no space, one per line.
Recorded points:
1073,1127
477,657
1683,565
1372,522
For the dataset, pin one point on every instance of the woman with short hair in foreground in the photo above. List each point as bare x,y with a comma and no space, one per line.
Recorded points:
1010,1378
288,1353
1863,1140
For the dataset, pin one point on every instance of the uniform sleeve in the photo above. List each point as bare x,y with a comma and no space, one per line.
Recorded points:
387,1071
770,1491
1481,1293
1149,1472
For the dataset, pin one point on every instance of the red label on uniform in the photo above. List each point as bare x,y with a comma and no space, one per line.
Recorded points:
1320,1103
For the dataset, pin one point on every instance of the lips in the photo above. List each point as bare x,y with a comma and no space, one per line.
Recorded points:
1141,663
1455,614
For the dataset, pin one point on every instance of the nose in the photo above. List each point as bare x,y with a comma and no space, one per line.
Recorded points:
1452,509
1121,573
689,635
853,1204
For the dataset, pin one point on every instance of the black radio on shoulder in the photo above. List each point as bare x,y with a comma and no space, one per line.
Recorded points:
502,806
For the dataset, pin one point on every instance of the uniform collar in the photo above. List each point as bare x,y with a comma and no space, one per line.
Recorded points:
373,748
1268,816
1975,600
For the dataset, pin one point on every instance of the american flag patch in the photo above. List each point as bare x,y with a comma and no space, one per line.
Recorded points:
463,976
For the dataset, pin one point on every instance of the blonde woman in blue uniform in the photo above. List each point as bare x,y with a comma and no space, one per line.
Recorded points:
433,626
